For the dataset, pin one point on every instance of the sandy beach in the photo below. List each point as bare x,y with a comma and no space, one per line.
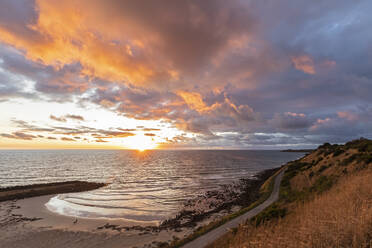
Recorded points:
28,222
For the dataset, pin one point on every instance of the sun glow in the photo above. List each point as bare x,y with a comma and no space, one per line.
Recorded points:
140,142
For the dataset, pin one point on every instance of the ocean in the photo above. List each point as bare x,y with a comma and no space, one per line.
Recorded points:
148,186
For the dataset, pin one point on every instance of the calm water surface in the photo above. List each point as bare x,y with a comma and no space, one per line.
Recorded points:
145,186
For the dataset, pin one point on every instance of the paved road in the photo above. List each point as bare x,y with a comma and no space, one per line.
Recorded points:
211,236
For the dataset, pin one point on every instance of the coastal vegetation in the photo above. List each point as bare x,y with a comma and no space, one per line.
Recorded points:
253,194
325,201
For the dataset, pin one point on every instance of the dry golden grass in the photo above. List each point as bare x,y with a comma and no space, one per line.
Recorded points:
340,217
303,180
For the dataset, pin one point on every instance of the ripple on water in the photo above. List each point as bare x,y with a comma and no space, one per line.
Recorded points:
148,187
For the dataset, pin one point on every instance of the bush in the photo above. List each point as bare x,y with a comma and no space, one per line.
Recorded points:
272,212
325,146
338,152
365,158
362,144
322,184
322,168
320,159
297,166
348,160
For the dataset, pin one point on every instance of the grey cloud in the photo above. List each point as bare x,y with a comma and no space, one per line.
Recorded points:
60,84
18,135
71,131
55,118
65,117
75,117
291,120
27,127
240,51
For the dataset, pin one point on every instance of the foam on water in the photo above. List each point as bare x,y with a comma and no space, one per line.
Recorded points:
59,205
146,187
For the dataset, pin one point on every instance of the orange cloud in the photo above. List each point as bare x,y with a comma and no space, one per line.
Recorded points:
304,63
320,122
323,121
194,100
68,32
162,46
347,115
67,139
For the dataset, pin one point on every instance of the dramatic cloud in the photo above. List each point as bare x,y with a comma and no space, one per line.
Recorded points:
224,73
181,36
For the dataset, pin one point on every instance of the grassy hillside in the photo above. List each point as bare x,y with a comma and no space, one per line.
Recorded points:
325,201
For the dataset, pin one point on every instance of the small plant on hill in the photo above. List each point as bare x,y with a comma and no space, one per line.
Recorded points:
272,212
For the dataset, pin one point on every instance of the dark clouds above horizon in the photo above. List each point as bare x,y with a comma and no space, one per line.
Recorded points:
236,73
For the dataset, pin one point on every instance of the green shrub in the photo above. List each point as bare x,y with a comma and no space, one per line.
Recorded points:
348,160
325,146
319,159
322,168
338,152
297,166
362,144
365,158
322,184
274,211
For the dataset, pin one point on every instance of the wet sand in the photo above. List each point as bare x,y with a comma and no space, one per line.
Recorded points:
28,223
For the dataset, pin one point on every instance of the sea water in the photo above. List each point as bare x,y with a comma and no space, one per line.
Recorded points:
147,186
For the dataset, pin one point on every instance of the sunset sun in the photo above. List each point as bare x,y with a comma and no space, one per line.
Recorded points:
140,142
156,123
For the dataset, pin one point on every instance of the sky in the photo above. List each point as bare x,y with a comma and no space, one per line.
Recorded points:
209,74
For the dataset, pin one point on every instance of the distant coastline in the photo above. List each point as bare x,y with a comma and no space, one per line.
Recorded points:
324,195
298,150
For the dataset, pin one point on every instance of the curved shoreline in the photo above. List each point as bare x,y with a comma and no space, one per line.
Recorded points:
30,216
214,234
27,191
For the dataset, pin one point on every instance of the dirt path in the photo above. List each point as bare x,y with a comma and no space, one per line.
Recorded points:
211,236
